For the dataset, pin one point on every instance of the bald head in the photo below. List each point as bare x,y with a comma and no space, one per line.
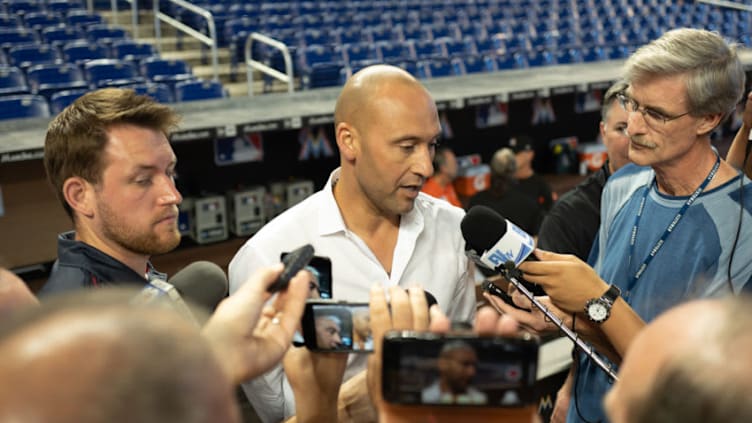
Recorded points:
367,85
688,365
95,360
14,294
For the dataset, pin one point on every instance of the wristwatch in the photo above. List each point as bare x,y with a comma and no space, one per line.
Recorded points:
599,309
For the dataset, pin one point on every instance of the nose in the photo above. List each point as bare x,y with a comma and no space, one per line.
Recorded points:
170,193
423,165
635,123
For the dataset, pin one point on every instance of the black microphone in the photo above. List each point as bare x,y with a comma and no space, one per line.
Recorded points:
497,243
201,282
494,242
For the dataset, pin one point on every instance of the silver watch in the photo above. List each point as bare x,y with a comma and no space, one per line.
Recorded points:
599,309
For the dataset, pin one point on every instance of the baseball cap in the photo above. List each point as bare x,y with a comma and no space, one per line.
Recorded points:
520,143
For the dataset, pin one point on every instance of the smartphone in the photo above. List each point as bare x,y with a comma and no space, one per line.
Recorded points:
337,326
422,368
321,269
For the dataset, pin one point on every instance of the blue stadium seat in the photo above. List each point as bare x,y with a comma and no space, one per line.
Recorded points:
570,55
311,55
484,45
379,33
425,49
313,36
61,34
451,47
82,19
437,67
541,58
12,81
79,52
595,53
160,92
47,79
168,71
469,65
511,61
102,72
61,99
39,20
395,51
131,50
23,106
62,7
25,55
14,36
105,34
9,21
412,32
322,74
22,7
199,90
353,53
349,35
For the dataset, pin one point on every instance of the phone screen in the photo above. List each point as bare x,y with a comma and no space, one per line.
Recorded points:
458,370
321,269
333,326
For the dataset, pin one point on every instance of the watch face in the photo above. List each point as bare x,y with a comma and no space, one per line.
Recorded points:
597,311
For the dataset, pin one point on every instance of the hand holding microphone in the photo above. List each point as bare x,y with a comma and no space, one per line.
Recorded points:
249,337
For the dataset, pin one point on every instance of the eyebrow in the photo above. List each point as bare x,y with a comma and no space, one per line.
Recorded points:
658,109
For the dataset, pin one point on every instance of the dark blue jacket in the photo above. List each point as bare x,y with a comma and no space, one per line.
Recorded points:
79,265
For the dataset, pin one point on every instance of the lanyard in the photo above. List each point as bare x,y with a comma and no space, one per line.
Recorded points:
671,226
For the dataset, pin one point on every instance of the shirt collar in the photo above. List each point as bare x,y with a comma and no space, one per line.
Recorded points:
331,221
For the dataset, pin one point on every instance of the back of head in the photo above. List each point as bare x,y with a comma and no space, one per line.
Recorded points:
94,357
609,98
77,137
503,167
714,73
708,380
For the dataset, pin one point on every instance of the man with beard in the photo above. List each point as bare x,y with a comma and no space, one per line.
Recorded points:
108,158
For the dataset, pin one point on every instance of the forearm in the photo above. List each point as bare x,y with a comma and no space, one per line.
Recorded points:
735,155
622,326
595,336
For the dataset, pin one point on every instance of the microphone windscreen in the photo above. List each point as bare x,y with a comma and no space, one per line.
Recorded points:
201,282
482,227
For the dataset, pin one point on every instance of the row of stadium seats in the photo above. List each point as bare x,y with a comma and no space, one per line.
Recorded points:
30,105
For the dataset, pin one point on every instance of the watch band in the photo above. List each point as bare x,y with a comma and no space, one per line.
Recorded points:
612,294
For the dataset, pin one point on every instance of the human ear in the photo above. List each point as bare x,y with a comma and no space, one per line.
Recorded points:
79,194
346,140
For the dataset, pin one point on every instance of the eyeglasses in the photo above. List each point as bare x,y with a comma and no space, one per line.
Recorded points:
651,115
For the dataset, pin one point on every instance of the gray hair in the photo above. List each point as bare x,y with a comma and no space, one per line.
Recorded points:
715,75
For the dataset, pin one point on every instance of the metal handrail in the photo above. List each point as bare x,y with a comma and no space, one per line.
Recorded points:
251,64
134,14
210,41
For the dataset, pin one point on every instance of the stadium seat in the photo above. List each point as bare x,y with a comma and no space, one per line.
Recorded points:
14,36
354,53
47,79
322,74
199,90
101,72
425,49
83,19
105,34
79,52
394,51
12,81
62,7
133,51
159,92
25,55
437,67
39,20
61,99
61,34
9,21
168,71
469,65
541,58
313,36
451,47
23,106
511,61
22,7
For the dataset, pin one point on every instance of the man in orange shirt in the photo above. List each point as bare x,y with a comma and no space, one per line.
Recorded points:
444,172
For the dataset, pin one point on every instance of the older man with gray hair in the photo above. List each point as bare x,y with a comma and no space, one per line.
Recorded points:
671,227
